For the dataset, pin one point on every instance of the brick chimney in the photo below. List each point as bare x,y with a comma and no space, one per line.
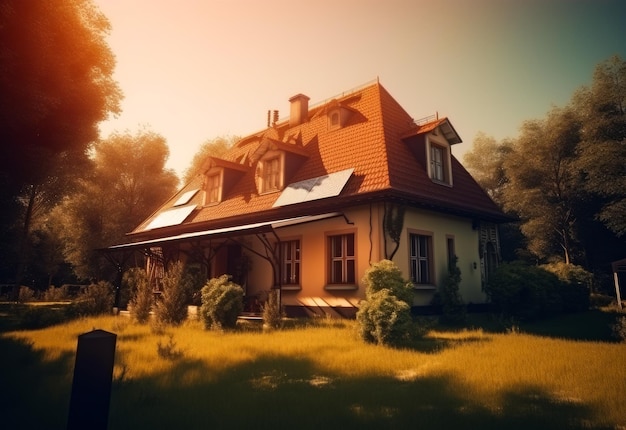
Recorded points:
299,109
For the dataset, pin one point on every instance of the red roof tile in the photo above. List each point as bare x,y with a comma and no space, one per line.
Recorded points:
375,141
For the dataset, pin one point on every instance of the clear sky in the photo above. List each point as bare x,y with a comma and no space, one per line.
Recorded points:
193,70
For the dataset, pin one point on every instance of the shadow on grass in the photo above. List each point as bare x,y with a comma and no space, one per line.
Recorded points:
34,391
281,392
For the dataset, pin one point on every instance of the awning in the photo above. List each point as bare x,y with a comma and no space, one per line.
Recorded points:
259,227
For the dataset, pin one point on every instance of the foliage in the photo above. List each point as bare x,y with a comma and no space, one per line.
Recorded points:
273,312
576,285
95,299
222,302
529,292
619,329
25,294
543,186
211,148
54,294
485,161
142,300
126,184
385,274
449,298
393,221
171,307
384,317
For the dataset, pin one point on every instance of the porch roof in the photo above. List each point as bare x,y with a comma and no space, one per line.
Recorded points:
259,227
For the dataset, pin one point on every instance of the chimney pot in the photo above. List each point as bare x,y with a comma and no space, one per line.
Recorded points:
299,109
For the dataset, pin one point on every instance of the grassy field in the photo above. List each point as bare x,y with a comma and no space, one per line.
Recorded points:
561,373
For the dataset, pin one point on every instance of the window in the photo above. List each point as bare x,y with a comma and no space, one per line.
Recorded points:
451,252
342,263
334,120
270,175
420,259
437,163
213,188
291,262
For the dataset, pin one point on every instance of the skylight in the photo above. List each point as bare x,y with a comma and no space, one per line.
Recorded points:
314,189
171,217
184,199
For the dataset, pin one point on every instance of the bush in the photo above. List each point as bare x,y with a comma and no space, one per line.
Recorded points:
386,275
95,299
53,294
141,294
272,311
171,308
525,292
619,329
453,310
575,288
384,317
222,302
25,294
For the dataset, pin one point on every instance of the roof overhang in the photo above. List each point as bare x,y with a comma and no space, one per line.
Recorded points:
253,228
445,127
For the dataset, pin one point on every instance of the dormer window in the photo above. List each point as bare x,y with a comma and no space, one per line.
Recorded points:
439,160
213,188
271,174
334,120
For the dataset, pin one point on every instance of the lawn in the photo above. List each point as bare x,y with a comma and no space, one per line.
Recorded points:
561,373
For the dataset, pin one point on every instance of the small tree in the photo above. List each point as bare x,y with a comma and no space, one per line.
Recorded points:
272,311
452,306
384,317
222,302
141,294
172,307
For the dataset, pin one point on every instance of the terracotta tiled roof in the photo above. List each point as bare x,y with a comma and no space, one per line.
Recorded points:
375,141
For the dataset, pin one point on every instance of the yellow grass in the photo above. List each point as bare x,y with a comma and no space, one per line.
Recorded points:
485,368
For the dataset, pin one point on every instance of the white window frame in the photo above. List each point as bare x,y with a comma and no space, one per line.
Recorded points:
342,267
271,180
421,264
213,187
439,158
291,255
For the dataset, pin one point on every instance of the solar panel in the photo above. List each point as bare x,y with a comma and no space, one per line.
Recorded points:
314,189
184,199
170,217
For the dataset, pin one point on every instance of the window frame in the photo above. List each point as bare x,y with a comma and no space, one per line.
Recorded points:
294,258
443,166
215,187
266,182
416,260
348,280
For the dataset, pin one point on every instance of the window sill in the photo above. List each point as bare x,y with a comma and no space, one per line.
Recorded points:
341,287
291,287
444,183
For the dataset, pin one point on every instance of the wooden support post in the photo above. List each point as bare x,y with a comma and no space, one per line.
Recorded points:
93,375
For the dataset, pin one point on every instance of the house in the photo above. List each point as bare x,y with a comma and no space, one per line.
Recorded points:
307,204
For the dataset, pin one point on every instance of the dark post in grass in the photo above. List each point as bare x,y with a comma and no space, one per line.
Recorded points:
91,387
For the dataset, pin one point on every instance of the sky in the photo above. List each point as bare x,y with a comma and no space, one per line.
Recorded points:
195,70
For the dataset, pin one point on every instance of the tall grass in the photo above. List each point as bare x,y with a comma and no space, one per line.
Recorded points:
319,374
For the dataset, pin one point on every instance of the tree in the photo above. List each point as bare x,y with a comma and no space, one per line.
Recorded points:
128,182
544,184
211,148
602,108
56,85
485,162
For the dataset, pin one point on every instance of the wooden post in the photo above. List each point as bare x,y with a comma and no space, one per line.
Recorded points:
91,386
617,291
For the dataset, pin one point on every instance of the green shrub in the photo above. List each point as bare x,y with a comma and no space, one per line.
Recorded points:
575,288
25,294
525,292
222,302
171,308
272,311
386,275
384,317
142,297
453,310
95,299
53,294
